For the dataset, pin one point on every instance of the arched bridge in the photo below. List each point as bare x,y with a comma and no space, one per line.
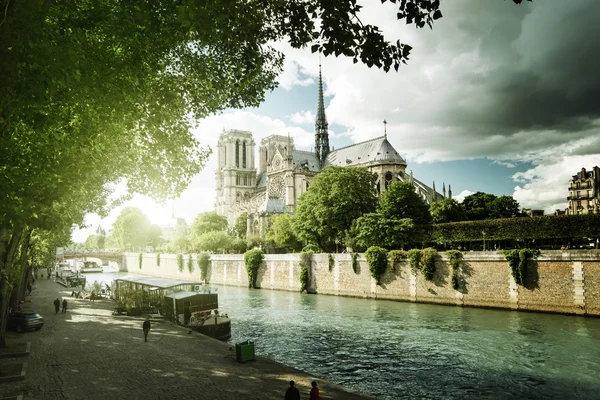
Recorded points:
104,256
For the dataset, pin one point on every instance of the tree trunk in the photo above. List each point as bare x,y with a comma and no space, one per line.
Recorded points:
7,254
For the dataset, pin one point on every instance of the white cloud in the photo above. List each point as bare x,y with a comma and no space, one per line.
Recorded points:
302,117
461,196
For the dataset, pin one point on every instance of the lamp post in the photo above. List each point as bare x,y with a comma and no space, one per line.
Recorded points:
483,240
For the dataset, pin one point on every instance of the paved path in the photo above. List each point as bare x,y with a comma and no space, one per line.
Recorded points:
89,354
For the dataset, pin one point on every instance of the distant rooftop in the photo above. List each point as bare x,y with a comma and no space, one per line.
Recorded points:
162,283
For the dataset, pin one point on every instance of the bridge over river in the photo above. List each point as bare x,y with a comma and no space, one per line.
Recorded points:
104,256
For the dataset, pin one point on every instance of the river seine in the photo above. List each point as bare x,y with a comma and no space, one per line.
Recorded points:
395,350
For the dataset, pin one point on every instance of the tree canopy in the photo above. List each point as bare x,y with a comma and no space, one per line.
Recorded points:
401,201
447,210
479,206
336,197
282,234
132,230
208,222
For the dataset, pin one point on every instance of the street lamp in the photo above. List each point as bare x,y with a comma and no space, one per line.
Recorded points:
483,233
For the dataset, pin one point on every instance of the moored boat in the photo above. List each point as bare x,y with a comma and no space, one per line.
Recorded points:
90,266
212,324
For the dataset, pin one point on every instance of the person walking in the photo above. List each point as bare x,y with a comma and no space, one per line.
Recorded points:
292,392
56,305
146,328
314,392
64,304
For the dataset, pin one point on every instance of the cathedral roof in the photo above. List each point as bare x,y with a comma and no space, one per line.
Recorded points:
261,180
373,150
273,206
305,160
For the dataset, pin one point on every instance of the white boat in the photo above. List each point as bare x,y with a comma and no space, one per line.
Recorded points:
90,266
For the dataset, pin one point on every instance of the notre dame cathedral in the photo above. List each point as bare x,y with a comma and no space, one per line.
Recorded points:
284,172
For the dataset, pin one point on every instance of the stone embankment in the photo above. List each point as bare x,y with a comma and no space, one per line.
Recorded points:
88,353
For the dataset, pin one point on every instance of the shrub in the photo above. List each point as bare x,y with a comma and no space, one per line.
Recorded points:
312,248
253,259
203,263
180,262
414,259
396,256
377,260
428,257
331,262
190,263
305,262
140,258
454,257
158,259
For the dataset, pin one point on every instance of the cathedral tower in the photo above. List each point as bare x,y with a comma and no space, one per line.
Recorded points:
321,133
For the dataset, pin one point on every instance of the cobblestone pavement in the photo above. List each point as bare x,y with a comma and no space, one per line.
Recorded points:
88,353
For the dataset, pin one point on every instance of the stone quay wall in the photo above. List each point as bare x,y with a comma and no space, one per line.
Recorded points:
558,281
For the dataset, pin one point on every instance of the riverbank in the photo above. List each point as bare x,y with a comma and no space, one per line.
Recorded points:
89,353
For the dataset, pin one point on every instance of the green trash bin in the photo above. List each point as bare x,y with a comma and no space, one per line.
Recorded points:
244,351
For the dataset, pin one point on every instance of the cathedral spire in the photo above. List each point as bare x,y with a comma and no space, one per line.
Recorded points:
385,128
444,189
321,132
433,194
449,191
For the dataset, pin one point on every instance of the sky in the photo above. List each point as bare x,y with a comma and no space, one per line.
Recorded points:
497,98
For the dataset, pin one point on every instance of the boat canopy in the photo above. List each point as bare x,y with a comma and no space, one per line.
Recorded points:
154,282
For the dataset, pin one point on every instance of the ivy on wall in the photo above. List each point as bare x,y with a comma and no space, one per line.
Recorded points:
395,257
305,262
428,257
253,259
454,258
517,261
180,262
158,259
140,259
355,262
377,258
190,263
414,259
331,262
203,263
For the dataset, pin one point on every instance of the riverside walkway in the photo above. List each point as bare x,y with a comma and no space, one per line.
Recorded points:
88,353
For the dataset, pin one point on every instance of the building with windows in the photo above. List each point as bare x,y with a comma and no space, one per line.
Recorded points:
284,172
584,196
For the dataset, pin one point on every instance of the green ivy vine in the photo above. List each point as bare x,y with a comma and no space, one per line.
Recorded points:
395,257
305,261
203,263
454,257
180,262
414,259
355,262
517,261
140,259
331,262
428,257
158,259
377,258
190,263
253,259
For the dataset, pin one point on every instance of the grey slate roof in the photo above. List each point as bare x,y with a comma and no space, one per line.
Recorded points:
305,160
273,206
373,150
261,180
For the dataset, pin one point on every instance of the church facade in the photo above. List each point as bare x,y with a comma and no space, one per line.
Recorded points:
284,173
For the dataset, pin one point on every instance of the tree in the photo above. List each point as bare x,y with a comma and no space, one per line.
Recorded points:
282,234
132,230
212,241
95,242
241,225
208,222
336,197
401,201
374,229
447,210
477,205
504,207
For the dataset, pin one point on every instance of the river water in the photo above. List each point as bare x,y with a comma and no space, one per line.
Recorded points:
395,350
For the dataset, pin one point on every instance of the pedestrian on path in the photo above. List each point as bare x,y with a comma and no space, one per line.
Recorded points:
314,392
56,305
64,304
146,328
292,393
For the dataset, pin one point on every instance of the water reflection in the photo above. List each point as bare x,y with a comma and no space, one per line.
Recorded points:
403,350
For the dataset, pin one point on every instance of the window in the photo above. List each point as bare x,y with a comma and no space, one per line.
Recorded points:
577,184
589,184
237,154
590,203
578,194
589,193
579,204
244,154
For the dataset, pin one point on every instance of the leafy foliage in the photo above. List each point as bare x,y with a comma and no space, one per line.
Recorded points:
140,259
95,242
313,248
281,233
546,227
203,264
238,246
158,259
180,262
208,222
305,263
447,210
377,260
253,242
518,260
414,259
241,225
401,201
336,197
395,257
331,262
133,230
213,241
374,229
253,259
428,257
355,262
454,257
